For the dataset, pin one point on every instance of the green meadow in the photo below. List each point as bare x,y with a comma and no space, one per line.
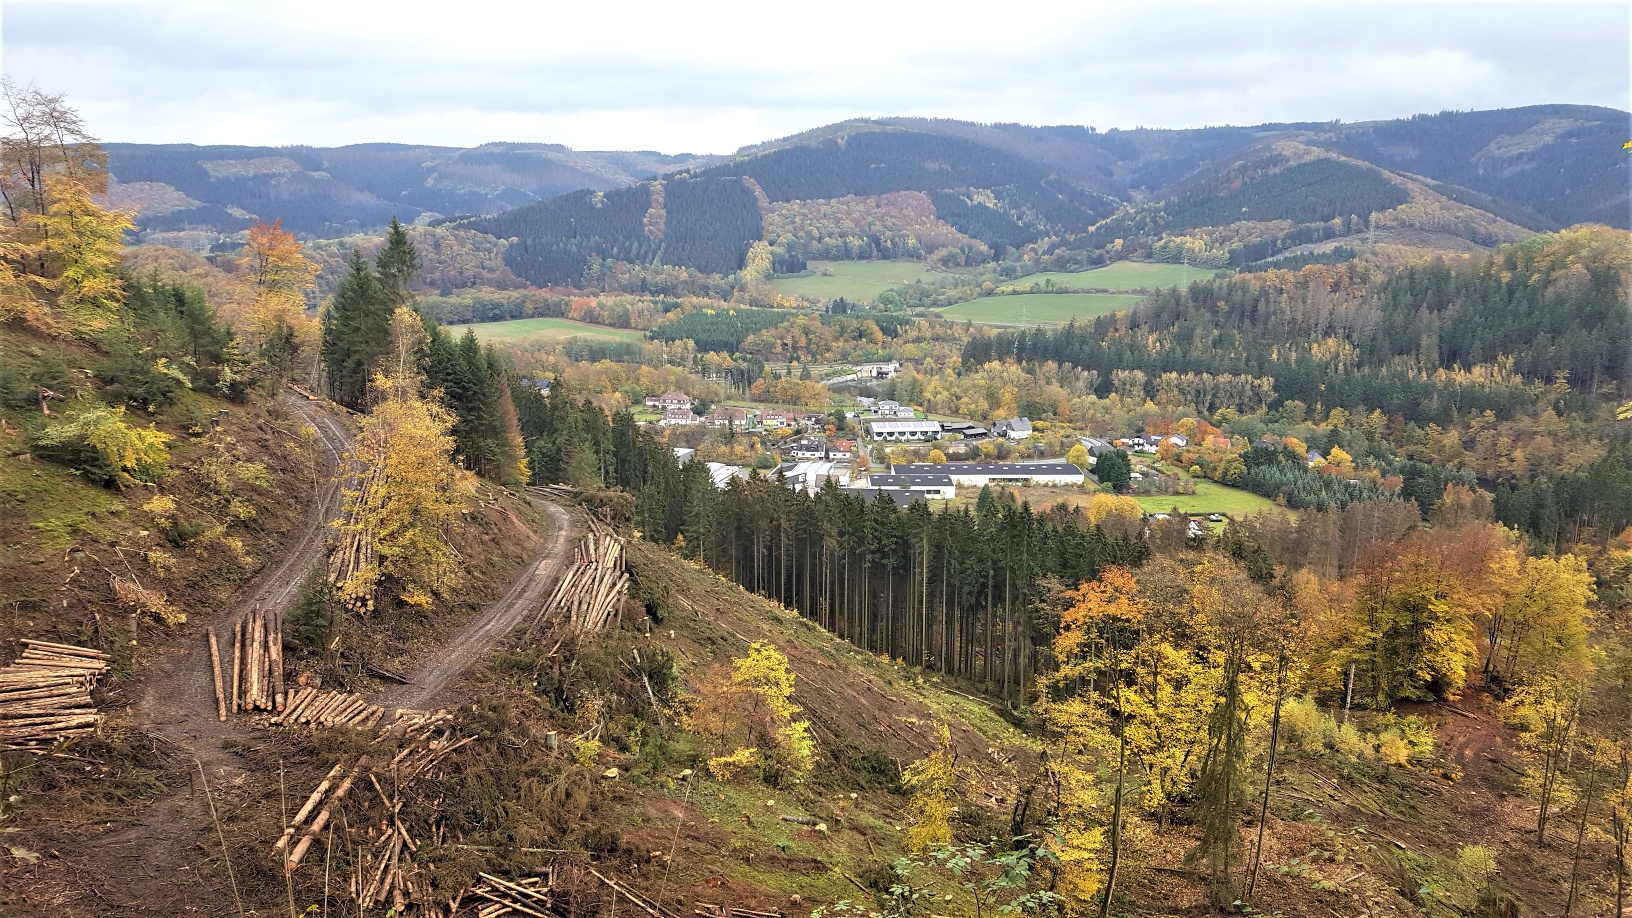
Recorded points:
1040,308
1121,275
857,281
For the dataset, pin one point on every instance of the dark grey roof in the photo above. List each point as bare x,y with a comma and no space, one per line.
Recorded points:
995,469
909,481
900,497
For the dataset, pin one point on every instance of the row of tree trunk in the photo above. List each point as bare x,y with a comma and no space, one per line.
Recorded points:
311,705
45,696
255,682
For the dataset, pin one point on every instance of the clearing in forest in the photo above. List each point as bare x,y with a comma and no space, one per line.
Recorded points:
515,330
1040,308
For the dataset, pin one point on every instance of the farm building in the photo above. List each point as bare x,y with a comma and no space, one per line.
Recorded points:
907,431
1014,428
683,455
964,429
810,476
980,474
878,370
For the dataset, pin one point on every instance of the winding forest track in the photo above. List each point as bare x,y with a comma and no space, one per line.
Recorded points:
177,695
147,867
428,681
175,701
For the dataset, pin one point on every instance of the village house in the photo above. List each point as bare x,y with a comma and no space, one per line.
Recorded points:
673,398
889,409
1014,429
730,415
677,417
807,448
777,419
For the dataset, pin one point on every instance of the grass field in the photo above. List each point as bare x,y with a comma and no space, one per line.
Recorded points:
857,281
533,329
1040,308
1123,275
1210,497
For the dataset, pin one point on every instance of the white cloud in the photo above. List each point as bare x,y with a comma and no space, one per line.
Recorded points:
675,78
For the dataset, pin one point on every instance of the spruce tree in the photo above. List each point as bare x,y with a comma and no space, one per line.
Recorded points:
397,264
356,333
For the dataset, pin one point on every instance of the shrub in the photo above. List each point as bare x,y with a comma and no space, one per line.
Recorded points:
99,444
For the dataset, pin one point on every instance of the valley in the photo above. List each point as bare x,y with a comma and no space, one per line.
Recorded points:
902,518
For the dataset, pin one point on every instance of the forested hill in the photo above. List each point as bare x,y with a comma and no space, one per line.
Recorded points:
1220,196
337,191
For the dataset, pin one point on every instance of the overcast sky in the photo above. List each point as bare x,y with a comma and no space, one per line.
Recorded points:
708,78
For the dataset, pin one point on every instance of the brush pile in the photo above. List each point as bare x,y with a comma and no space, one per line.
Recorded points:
45,697
385,874
526,896
592,589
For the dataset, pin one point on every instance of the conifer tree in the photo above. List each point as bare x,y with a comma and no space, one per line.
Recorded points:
356,333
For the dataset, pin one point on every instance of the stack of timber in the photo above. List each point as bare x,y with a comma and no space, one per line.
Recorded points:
45,697
310,705
592,589
256,678
353,565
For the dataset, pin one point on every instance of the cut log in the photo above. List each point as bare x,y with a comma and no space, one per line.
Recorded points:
237,661
215,669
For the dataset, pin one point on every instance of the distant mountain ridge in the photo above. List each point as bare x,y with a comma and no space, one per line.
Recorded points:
1218,195
338,191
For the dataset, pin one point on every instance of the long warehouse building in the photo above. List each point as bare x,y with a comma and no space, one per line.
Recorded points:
980,474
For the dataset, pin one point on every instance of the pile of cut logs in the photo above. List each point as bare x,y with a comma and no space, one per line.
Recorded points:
354,550
257,665
45,696
310,705
592,589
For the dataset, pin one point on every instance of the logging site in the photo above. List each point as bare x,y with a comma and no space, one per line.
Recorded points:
932,516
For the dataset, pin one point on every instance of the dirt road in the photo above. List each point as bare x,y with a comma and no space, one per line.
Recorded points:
477,639
177,695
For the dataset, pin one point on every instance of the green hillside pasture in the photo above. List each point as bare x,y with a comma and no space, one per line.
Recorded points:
1210,497
1040,308
856,281
1120,275
514,330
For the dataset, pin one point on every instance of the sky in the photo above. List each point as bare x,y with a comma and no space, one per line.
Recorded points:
711,77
